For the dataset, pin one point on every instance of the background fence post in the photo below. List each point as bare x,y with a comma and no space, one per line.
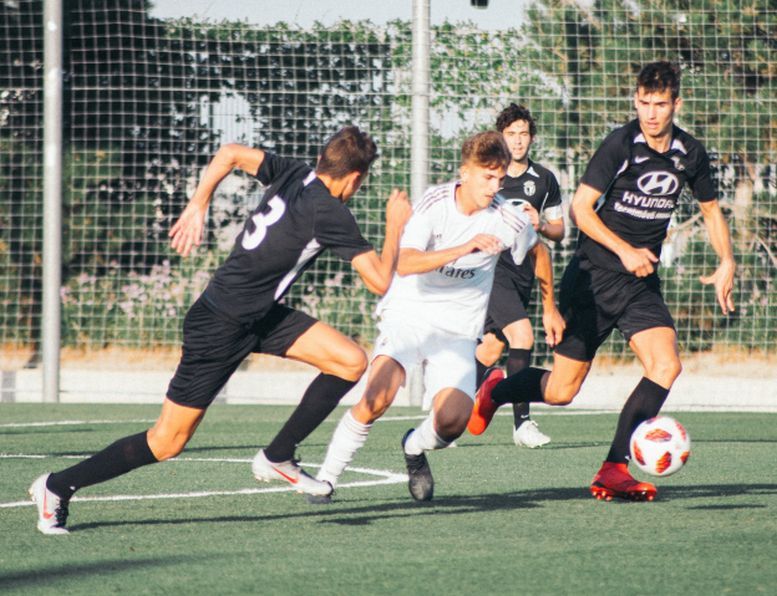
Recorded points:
419,142
52,197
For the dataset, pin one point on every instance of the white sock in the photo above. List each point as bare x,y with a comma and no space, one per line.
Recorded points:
347,439
424,438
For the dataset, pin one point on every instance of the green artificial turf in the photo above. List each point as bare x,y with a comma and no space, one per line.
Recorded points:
504,520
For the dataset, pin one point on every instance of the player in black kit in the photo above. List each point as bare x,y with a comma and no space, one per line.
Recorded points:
533,188
301,214
622,207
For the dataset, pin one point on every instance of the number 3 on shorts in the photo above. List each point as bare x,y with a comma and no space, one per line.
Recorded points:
262,221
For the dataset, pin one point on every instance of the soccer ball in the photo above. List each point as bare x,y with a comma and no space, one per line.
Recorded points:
660,446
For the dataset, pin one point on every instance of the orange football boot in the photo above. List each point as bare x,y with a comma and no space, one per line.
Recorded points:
614,480
484,408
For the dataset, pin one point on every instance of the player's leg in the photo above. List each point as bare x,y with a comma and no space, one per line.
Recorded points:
520,337
213,347
450,374
657,351
586,330
167,438
649,328
444,424
487,354
556,388
396,351
341,361
385,378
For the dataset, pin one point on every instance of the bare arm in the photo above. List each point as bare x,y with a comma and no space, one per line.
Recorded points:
377,271
720,238
552,321
553,229
412,260
639,261
186,233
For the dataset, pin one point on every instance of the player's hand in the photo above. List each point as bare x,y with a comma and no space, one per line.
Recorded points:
639,261
554,326
486,243
533,214
186,233
723,280
398,209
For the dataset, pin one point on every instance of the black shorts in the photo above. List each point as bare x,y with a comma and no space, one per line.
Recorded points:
508,303
214,346
595,301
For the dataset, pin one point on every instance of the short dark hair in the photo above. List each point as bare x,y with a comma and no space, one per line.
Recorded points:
348,150
657,77
515,112
487,149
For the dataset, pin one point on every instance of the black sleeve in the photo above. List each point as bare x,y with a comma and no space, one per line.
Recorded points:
700,179
336,229
608,161
274,165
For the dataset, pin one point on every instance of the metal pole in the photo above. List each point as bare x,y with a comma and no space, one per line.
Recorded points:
419,144
52,197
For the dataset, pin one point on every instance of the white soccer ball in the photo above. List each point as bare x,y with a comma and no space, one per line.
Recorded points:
660,446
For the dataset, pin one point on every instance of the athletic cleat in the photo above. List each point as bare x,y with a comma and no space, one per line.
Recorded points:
484,408
529,435
614,480
288,471
52,510
419,476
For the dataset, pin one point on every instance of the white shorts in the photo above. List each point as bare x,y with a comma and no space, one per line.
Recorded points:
449,359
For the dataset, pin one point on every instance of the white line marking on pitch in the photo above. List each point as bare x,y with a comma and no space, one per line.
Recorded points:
383,419
385,477
70,423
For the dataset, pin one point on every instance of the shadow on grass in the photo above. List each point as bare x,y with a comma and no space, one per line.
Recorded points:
50,575
728,507
345,513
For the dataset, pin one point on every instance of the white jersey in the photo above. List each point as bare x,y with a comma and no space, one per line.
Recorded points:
454,297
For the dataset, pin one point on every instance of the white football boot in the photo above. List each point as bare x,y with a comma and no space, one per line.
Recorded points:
289,471
52,511
529,435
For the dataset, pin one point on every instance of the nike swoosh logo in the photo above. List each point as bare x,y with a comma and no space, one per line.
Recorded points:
286,476
46,514
640,159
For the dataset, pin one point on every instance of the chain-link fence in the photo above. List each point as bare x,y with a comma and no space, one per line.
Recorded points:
148,101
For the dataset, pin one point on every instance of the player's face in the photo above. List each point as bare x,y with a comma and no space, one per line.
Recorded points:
481,183
655,111
518,139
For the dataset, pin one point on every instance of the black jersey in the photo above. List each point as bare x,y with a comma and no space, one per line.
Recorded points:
295,221
538,187
641,188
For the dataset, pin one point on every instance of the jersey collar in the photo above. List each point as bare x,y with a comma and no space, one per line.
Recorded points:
675,145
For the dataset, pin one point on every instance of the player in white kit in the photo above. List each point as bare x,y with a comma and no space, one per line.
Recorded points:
436,307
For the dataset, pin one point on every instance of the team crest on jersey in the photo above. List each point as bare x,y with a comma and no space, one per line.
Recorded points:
678,164
529,188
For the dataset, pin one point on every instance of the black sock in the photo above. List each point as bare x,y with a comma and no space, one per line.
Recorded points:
524,386
118,458
321,397
643,403
480,372
517,360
